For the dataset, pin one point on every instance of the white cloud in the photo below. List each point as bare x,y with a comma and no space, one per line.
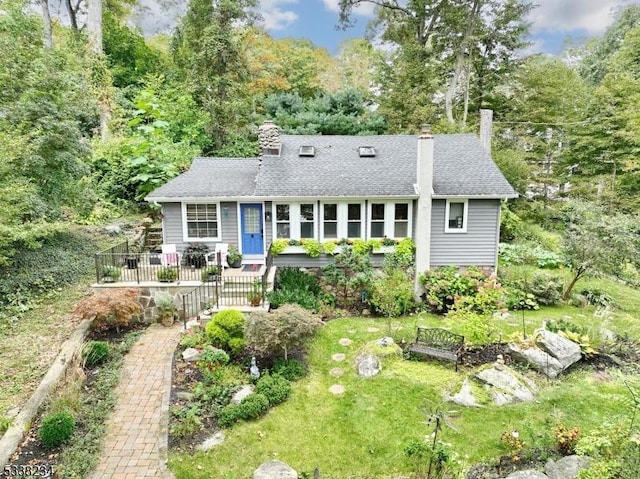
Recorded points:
593,16
274,16
364,9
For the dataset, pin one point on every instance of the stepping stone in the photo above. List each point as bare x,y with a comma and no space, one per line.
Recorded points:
345,342
337,389
336,372
372,330
338,357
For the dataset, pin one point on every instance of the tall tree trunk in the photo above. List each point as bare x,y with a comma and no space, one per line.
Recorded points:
94,30
94,26
465,114
461,59
46,19
73,14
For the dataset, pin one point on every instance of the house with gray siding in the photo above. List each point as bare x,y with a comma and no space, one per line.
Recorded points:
444,191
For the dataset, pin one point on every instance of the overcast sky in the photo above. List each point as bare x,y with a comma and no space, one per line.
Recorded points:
553,21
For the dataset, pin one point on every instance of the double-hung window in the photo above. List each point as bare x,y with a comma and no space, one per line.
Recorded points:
456,212
377,220
295,220
330,221
307,220
283,221
389,220
201,221
401,220
354,220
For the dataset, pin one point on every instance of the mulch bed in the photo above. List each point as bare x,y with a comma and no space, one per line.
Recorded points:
184,376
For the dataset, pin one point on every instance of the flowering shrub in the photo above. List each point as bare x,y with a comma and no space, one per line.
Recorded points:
566,439
448,288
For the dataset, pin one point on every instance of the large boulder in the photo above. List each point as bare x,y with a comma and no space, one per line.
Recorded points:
538,359
242,393
566,468
564,350
465,396
368,365
528,474
191,354
274,470
505,385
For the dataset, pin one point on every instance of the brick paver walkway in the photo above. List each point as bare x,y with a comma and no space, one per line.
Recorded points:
136,441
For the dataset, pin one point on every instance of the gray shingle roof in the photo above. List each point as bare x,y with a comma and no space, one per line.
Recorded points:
212,177
461,168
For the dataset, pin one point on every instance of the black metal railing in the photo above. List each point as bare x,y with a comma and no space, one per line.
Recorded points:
143,267
203,297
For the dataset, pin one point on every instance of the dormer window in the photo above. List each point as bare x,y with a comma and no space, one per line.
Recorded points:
367,151
307,151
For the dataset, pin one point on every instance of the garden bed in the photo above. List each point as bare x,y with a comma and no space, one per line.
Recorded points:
89,393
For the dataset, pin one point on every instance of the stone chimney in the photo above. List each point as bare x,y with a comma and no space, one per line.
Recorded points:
269,139
486,126
424,185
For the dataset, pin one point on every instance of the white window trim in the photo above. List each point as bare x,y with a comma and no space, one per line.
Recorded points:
465,215
390,218
185,230
342,215
294,219
299,221
321,221
275,220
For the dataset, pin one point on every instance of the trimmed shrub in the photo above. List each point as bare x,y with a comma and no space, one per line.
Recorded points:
95,352
254,405
290,369
56,428
251,407
226,330
275,388
229,415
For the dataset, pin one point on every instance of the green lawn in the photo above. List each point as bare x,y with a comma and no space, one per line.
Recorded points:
363,432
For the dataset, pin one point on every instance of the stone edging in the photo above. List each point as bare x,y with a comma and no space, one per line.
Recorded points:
15,434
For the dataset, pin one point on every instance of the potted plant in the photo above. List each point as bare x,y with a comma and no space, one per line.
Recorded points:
255,295
167,274
166,308
195,255
132,261
234,257
110,273
209,273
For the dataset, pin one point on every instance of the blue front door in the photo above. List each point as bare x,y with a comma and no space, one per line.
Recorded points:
251,228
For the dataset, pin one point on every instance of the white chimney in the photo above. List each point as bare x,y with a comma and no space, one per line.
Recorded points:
423,215
269,138
486,126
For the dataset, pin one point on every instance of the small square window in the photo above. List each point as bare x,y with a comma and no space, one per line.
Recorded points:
456,216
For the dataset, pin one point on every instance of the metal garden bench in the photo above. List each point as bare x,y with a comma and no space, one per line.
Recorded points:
439,343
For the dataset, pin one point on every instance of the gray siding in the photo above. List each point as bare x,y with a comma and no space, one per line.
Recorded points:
172,224
475,247
268,225
229,222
